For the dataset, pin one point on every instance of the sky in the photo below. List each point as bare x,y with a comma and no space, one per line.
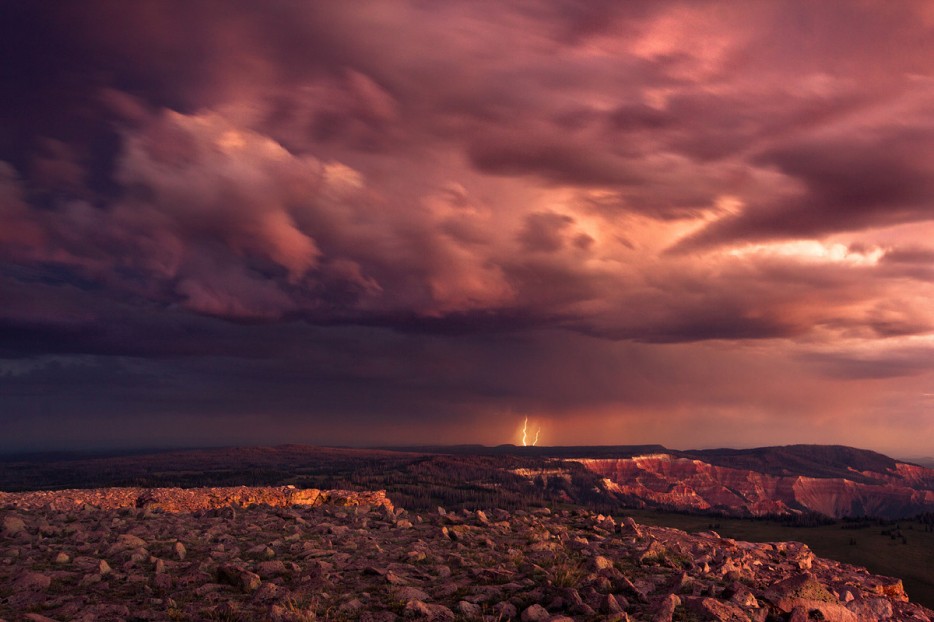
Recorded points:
699,223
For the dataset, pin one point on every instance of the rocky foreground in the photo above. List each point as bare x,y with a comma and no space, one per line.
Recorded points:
284,554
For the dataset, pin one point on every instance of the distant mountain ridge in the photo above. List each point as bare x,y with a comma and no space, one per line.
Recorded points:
810,460
926,461
833,480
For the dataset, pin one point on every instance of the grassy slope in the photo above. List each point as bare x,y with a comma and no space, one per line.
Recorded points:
912,562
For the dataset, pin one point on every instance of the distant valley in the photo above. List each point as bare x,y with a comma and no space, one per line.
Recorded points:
799,480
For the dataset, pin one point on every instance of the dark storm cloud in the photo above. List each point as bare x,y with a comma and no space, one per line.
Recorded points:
903,362
575,164
438,212
307,77
909,255
848,183
544,231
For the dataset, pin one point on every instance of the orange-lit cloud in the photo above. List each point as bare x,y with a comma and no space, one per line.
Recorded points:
677,222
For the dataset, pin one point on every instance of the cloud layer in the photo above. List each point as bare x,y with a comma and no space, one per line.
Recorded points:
432,218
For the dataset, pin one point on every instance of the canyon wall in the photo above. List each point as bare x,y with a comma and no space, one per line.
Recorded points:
691,484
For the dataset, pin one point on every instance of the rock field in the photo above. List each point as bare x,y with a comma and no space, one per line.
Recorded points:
285,554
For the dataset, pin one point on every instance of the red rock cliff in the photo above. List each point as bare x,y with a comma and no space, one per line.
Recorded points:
696,485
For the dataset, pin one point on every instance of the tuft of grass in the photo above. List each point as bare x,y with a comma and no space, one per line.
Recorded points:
566,571
394,602
301,610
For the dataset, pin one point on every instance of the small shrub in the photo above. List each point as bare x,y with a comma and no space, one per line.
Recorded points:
566,571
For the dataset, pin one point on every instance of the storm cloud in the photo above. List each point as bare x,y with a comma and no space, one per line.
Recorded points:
639,222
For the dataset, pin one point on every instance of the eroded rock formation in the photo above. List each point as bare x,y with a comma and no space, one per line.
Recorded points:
693,484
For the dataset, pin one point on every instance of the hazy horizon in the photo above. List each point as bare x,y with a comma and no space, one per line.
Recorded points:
115,451
697,224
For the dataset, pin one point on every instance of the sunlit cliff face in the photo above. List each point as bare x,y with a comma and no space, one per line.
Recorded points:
689,223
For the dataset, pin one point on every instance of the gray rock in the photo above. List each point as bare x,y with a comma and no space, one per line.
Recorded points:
239,577
611,605
162,582
269,569
266,591
469,611
505,609
871,608
631,526
412,593
395,579
32,582
417,610
13,525
535,613
128,540
666,609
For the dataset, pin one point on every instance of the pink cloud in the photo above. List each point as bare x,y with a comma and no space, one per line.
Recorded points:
698,204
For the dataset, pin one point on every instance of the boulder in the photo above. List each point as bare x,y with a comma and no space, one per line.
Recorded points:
535,613
713,609
871,608
239,577
32,582
13,525
666,609
469,611
418,610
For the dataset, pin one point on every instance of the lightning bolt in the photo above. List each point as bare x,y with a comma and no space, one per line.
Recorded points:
525,433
